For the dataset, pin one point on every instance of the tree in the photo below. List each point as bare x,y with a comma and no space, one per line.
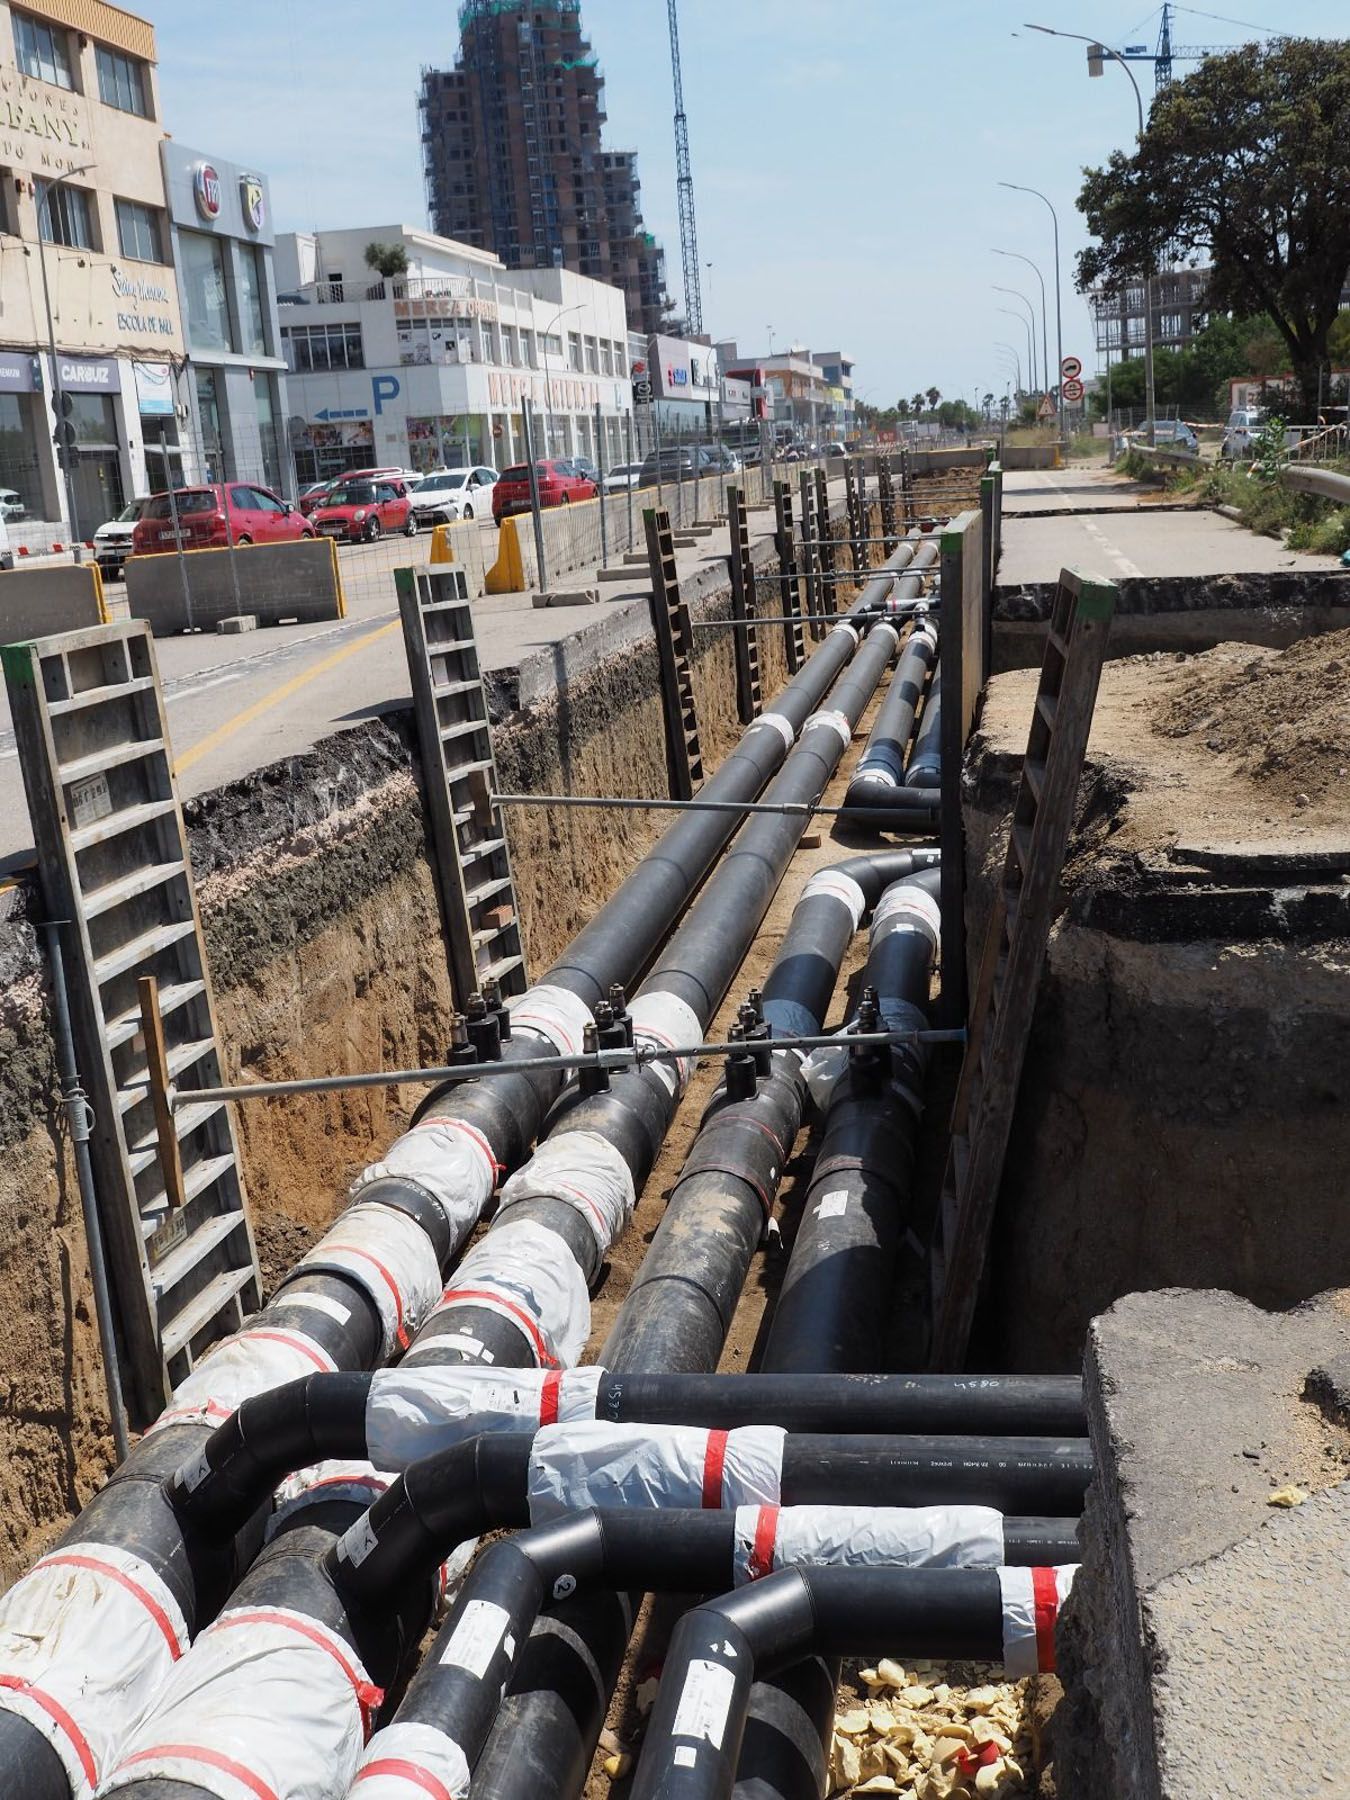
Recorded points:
917,404
1247,162
903,409
389,259
933,395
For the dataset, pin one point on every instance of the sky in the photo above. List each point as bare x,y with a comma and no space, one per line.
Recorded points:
846,153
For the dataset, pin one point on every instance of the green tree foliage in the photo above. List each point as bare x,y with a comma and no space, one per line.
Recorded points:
389,259
1246,162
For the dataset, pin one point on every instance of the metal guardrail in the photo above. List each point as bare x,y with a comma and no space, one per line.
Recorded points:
1305,479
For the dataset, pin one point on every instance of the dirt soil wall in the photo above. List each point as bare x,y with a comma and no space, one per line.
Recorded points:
324,942
1184,1116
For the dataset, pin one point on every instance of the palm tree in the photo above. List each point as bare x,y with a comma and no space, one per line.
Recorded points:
917,403
934,395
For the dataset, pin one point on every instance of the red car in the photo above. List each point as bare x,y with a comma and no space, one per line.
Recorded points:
361,510
317,495
560,482
211,517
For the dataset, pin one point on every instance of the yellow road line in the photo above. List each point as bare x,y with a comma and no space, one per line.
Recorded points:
214,739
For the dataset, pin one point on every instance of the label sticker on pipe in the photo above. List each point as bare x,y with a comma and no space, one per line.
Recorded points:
705,1702
833,1205
476,1638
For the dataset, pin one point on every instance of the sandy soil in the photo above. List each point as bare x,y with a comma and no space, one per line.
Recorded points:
1238,745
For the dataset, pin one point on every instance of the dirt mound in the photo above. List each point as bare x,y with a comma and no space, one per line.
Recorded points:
1283,716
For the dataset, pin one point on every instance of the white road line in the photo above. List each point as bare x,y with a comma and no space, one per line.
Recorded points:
1123,564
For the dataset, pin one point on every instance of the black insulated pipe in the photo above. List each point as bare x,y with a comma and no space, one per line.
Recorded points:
324,1417
880,769
480,1485
669,1551
831,1309
925,764
718,1649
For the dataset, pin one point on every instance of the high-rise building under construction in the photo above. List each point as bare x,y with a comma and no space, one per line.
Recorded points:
513,156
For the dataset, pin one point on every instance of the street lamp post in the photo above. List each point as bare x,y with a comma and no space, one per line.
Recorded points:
45,203
1045,325
1096,52
1059,310
1029,322
999,344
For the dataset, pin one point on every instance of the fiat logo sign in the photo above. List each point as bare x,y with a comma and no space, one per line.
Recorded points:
206,188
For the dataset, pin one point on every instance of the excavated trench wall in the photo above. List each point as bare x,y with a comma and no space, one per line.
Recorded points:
1184,1112
324,943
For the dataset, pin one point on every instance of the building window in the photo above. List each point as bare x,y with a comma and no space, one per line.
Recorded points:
263,390
311,349
64,216
208,312
42,51
138,231
251,294
122,82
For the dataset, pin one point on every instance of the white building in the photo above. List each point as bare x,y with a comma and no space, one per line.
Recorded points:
431,367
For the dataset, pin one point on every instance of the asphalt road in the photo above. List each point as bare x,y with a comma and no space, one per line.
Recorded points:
1110,528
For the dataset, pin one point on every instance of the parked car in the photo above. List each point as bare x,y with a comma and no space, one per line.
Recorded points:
360,511
835,448
112,541
6,553
619,480
584,466
683,462
1239,438
718,460
210,517
318,491
11,504
559,485
449,494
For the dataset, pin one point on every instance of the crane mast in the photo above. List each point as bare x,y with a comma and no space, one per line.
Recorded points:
684,187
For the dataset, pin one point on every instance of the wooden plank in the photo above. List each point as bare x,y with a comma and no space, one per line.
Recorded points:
1017,938
961,677
157,1068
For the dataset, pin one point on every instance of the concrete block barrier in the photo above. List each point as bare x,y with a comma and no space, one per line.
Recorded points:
38,602
1031,456
297,583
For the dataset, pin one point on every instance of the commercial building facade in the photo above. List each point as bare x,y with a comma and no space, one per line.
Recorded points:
513,157
84,228
431,367
232,387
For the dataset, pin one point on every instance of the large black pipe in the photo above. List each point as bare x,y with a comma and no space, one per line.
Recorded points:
718,1648
881,767
335,1315
632,1112
838,1288
672,1551
481,1484
327,1416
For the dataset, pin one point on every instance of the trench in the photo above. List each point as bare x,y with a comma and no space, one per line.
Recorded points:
1190,985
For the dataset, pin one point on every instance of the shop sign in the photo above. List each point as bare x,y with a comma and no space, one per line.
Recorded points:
18,373
206,190
41,128
252,201
154,390
135,296
90,375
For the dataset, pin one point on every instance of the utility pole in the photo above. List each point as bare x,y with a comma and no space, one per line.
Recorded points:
684,187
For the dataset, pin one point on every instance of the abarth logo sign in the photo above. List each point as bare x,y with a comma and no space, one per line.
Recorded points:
251,197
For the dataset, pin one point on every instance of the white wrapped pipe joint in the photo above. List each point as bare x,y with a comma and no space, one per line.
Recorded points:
904,907
908,1537
415,1412
667,1022
387,1254
523,1272
582,1170
445,1158
825,1067
85,1597
837,885
599,1464
553,1014
778,722
207,1729
836,721
1031,1602
252,1362
407,1761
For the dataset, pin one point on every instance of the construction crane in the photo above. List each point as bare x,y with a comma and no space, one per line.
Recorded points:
1167,52
684,188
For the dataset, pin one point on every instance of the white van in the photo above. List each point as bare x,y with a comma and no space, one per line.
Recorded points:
1239,438
6,551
